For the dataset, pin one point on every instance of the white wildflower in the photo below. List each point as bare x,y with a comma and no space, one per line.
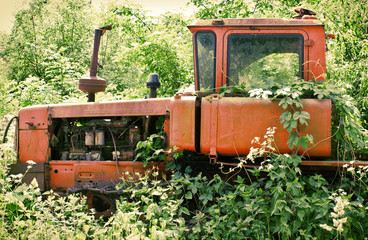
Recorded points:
31,162
343,220
269,166
339,228
326,227
16,176
265,94
34,183
350,169
334,215
255,92
295,95
255,140
284,91
335,222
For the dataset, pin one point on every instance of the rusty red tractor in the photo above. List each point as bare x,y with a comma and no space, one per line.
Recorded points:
86,144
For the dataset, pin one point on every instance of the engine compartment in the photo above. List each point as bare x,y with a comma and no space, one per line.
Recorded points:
100,139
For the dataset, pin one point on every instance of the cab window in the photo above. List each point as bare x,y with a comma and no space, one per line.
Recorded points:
263,60
205,42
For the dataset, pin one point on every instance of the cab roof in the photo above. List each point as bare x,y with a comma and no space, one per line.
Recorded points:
245,22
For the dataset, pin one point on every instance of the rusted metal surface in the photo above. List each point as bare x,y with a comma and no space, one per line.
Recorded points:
33,145
235,122
246,22
182,123
37,171
67,174
303,12
35,118
33,135
319,126
93,84
240,120
141,107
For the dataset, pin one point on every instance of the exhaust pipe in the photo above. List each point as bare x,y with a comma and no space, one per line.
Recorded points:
93,84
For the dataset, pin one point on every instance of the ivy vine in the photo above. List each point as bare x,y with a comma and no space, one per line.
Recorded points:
350,138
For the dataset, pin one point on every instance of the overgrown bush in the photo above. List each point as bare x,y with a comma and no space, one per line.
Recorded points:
279,203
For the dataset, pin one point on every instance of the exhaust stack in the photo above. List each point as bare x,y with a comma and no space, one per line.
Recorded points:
93,84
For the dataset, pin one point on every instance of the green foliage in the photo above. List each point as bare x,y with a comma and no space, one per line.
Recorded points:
347,56
208,9
276,202
45,42
151,149
141,44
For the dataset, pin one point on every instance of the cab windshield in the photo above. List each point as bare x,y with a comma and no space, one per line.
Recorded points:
264,60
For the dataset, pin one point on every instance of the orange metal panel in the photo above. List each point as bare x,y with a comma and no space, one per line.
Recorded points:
240,120
317,54
182,123
141,107
33,145
319,126
35,116
65,174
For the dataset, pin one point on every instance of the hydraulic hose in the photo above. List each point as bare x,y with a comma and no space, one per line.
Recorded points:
7,128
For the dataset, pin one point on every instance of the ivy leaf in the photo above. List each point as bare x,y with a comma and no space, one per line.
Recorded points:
300,214
303,117
286,116
303,141
184,210
310,138
293,124
293,140
284,103
188,195
296,115
193,188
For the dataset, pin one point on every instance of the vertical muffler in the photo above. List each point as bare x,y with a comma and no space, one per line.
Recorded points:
94,84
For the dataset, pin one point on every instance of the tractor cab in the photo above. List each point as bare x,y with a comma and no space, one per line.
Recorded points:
257,52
